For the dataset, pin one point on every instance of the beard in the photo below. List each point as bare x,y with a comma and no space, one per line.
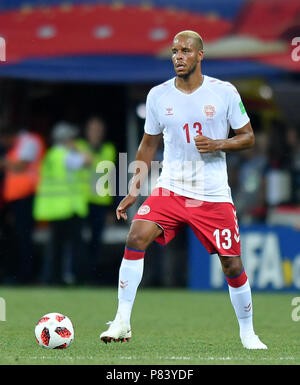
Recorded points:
189,73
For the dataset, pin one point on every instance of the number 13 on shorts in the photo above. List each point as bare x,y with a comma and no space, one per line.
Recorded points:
226,238
228,241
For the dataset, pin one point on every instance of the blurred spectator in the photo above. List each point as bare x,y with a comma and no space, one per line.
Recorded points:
293,139
3,237
278,176
60,199
24,152
99,200
278,146
250,194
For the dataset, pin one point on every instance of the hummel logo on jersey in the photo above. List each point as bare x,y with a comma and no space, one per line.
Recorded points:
169,111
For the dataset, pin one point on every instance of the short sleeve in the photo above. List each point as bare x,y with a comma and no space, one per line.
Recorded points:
152,126
237,114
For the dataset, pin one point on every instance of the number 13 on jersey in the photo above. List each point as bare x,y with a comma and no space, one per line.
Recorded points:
197,126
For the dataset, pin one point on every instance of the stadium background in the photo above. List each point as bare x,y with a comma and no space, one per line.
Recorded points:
66,60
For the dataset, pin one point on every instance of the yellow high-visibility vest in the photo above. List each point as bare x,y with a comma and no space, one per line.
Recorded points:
89,175
59,194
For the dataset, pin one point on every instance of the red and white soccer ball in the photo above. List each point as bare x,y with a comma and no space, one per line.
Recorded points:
54,331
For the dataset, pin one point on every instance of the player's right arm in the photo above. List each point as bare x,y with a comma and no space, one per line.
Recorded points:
144,157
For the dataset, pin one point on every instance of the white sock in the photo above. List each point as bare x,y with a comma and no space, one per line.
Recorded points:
130,276
242,304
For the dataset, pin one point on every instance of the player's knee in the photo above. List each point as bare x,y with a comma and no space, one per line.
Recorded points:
136,240
232,266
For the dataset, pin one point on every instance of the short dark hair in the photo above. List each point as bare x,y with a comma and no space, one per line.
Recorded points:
96,117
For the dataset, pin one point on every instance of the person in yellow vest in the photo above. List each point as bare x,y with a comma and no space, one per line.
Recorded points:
24,153
61,201
99,202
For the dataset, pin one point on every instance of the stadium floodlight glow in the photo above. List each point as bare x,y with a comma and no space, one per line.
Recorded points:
265,92
141,110
46,32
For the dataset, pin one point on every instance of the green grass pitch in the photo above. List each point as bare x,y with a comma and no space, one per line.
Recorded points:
170,327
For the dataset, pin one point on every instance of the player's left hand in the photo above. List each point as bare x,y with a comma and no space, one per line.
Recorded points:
205,144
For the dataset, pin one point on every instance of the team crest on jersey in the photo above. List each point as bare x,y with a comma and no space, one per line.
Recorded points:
143,210
209,111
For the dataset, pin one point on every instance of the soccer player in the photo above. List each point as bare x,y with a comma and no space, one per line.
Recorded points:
194,113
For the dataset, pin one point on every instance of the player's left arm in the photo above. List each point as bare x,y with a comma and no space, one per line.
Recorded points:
243,139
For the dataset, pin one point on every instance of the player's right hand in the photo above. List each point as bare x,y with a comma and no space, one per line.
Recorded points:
205,144
125,203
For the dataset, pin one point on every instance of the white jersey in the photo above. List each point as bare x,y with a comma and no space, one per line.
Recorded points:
210,111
